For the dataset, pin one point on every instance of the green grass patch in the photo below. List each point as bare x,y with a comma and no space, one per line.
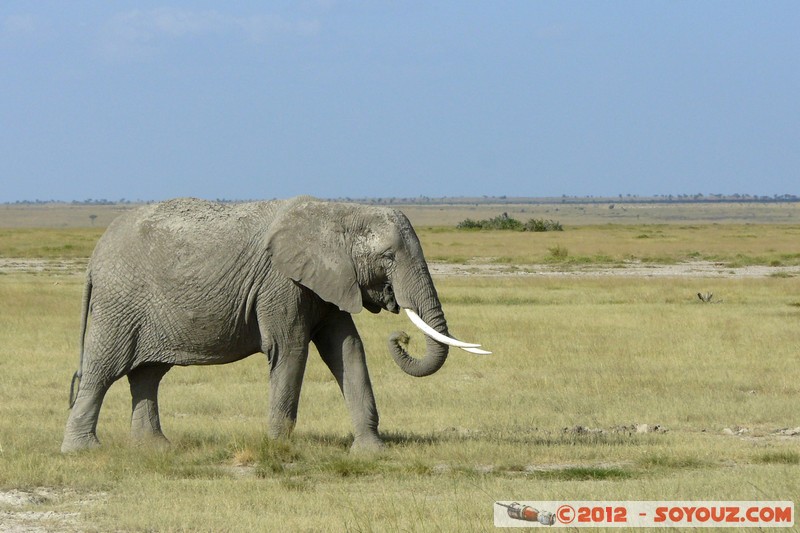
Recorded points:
779,457
352,467
274,456
48,243
558,253
670,462
582,473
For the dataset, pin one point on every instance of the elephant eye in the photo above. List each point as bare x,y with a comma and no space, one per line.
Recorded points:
388,254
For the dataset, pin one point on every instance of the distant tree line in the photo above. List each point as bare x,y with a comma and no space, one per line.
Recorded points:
566,199
89,201
484,200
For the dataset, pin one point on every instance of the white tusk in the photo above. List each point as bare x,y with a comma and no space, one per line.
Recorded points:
477,351
430,332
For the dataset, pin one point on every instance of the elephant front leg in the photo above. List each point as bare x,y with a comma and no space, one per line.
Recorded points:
145,422
340,346
285,380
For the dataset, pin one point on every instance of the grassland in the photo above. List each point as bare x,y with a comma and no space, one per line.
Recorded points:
48,243
580,365
731,244
572,214
609,244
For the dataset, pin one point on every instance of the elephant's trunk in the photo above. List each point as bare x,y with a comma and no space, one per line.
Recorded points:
435,355
414,291
423,301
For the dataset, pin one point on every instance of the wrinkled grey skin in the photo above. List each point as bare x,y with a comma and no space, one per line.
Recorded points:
189,282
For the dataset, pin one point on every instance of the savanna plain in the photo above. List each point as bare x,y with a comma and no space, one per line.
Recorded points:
610,380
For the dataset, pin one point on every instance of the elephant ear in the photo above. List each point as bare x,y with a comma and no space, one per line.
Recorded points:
307,243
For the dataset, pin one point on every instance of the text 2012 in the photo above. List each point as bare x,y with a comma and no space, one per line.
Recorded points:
595,515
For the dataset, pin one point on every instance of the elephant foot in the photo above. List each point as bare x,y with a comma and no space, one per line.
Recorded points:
73,444
367,444
280,428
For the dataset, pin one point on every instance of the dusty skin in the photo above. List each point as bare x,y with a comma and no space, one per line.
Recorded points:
162,293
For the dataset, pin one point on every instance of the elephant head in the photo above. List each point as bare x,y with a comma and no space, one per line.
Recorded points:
358,257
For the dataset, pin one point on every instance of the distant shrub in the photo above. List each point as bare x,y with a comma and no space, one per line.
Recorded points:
539,224
505,222
470,224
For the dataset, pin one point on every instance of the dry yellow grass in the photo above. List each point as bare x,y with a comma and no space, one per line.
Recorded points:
600,354
48,243
733,244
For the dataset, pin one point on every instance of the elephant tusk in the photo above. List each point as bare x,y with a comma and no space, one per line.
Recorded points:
430,332
477,351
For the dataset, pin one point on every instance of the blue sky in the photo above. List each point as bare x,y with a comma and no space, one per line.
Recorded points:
151,100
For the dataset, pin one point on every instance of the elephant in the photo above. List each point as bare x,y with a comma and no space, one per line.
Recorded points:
193,282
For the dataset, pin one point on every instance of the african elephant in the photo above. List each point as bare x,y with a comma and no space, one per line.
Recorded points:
191,282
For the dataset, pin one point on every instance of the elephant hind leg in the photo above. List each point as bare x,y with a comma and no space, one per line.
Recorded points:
108,351
145,422
81,430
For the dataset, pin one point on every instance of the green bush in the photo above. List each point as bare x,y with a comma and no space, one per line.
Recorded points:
539,224
505,222
470,224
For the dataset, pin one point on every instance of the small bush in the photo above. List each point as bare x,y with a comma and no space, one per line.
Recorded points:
505,222
470,224
539,224
558,253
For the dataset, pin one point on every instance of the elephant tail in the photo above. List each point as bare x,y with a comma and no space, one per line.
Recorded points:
75,385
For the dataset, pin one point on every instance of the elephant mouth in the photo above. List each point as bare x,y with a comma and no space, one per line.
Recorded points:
375,300
444,339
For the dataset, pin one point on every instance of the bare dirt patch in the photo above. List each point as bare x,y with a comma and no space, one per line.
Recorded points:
694,269
43,510
41,266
